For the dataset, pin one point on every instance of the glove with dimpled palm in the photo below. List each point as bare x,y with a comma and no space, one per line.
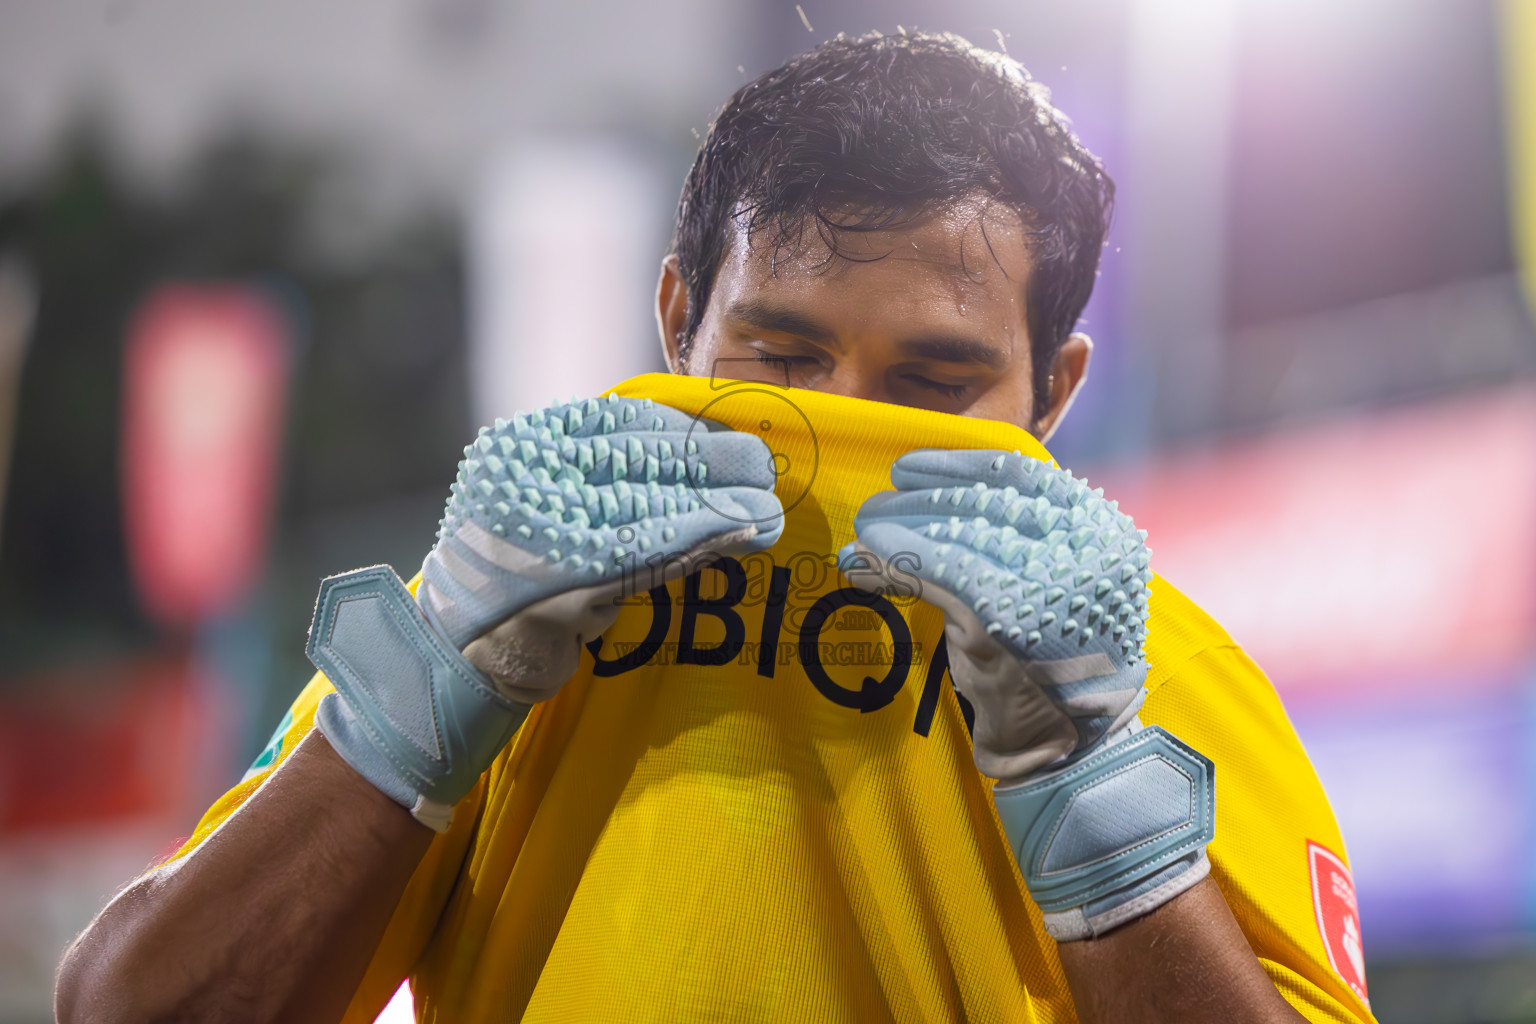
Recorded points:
1043,585
551,518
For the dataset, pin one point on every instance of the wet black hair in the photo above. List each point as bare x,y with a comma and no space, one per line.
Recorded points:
861,133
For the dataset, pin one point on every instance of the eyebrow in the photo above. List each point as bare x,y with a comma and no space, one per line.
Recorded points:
781,320
946,348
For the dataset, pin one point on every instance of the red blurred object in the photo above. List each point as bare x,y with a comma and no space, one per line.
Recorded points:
205,378
1387,547
115,741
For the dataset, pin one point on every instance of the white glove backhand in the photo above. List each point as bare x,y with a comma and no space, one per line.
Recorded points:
1043,585
551,517
1044,588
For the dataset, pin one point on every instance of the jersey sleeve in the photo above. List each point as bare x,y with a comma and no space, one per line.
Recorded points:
426,894
1271,811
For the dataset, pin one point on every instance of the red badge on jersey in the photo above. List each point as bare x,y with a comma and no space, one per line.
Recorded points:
1338,916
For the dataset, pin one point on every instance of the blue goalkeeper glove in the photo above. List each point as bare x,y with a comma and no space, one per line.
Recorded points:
548,522
1043,585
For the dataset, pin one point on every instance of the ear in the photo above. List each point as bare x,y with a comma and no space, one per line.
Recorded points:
1068,372
671,312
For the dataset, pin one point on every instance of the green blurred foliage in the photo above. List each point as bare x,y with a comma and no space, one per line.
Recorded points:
378,403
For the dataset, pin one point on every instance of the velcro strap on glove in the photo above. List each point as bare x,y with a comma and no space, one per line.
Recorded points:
410,714
1114,835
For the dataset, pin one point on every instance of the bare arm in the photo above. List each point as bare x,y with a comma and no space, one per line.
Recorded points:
1044,585
277,914
1187,961
274,917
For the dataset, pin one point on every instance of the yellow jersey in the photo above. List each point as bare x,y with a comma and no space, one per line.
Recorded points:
756,799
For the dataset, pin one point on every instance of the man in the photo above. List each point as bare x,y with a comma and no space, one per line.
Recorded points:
539,805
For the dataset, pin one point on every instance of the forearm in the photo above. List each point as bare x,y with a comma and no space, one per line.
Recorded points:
1187,961
1044,587
275,916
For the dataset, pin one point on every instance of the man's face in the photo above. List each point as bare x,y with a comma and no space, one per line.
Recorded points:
930,314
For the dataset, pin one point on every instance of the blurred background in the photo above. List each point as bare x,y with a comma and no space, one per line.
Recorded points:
264,267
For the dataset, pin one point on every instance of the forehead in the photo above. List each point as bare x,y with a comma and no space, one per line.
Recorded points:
973,251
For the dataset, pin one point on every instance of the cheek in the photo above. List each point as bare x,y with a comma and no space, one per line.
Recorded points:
1010,401
702,353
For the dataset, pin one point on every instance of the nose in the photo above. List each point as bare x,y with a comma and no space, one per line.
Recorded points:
855,380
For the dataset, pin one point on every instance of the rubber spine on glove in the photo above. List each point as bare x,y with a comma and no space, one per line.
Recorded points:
410,713
1114,834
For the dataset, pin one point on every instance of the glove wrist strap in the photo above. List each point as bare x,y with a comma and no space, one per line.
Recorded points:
1114,835
410,713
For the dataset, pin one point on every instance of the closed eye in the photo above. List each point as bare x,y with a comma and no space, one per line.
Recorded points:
948,390
781,362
